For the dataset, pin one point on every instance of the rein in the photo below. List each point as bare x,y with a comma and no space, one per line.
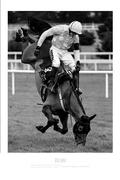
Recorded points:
79,102
72,85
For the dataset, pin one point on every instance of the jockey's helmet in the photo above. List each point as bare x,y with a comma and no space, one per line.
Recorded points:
76,27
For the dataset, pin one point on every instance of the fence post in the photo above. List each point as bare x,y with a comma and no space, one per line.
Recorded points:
85,57
13,80
106,85
13,83
110,66
95,66
16,65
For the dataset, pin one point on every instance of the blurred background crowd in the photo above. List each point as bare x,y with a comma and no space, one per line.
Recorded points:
97,27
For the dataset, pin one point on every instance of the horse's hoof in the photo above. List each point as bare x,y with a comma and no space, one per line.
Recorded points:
40,128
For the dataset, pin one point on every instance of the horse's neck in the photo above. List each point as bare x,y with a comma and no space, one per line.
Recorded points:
76,107
71,102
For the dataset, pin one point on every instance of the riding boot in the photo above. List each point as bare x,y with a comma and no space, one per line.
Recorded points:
76,82
51,76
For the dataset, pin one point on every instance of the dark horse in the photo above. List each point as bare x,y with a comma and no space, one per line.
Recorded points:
62,103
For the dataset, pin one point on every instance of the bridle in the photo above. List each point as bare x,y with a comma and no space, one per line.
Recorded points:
72,85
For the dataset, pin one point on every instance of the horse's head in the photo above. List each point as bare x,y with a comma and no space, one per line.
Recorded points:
81,129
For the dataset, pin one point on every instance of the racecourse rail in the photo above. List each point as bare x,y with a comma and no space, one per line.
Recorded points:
86,58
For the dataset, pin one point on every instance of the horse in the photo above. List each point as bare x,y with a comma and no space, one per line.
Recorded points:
63,103
60,103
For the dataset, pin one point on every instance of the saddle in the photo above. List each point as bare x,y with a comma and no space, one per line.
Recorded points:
59,79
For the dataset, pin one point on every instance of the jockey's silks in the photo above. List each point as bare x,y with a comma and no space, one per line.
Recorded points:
61,37
63,41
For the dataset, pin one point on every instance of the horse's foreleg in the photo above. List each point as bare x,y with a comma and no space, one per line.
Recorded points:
51,121
63,118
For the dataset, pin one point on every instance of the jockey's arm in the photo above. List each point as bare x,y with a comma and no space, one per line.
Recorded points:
76,48
50,32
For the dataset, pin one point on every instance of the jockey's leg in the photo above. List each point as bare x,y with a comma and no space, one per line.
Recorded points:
69,60
54,55
76,82
50,76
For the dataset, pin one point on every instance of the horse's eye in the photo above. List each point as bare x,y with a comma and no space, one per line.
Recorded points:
80,128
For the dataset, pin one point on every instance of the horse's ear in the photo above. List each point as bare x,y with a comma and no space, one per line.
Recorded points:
92,117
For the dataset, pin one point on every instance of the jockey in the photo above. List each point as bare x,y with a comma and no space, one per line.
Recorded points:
64,36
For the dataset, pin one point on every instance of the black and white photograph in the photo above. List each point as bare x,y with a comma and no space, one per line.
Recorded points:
60,81
60,90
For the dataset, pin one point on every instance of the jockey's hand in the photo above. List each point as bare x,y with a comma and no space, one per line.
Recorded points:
37,51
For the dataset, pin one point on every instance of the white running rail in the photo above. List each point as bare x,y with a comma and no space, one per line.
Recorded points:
14,68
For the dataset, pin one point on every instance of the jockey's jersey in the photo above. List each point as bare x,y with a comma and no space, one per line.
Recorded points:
62,39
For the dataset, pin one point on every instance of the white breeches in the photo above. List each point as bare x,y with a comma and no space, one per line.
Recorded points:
58,55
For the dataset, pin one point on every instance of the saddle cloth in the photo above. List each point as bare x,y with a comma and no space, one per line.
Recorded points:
59,79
